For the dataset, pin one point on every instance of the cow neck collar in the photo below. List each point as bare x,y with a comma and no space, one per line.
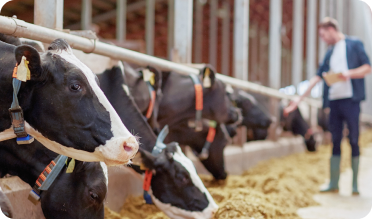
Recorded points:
16,112
158,148
198,102
46,178
152,92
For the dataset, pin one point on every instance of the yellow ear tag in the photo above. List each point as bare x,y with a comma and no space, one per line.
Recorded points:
71,166
152,79
148,76
207,80
28,71
23,70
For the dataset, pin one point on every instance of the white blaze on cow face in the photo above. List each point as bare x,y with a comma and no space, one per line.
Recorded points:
177,213
105,172
119,149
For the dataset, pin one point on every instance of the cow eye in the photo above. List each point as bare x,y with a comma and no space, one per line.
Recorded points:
75,87
93,196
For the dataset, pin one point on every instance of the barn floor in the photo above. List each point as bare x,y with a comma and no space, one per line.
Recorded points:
284,187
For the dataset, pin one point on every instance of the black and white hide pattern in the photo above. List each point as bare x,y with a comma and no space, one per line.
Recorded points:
176,189
63,106
77,195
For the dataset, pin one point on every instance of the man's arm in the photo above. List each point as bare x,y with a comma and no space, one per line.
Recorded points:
294,104
357,73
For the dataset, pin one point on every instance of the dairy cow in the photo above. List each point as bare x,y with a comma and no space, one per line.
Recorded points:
178,102
63,107
176,188
76,195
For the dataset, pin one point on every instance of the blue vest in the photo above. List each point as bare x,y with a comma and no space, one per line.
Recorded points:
356,57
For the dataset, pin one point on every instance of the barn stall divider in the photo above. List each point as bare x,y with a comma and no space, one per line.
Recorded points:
237,158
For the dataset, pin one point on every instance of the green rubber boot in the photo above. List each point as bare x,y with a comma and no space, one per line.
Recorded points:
334,174
355,167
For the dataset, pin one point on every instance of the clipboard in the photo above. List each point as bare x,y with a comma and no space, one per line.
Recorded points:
331,78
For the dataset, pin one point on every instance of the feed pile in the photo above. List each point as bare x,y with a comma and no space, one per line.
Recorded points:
274,188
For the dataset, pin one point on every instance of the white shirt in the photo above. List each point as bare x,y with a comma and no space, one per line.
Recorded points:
338,64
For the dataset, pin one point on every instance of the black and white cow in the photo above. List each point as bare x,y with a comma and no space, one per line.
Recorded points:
255,118
176,188
215,163
296,124
76,195
178,101
5,205
63,106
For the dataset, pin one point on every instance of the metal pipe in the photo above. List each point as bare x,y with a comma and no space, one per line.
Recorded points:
150,22
213,22
19,28
225,56
297,43
275,45
198,39
86,15
311,40
121,20
241,37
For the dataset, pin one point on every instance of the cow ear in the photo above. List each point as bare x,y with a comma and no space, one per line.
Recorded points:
208,75
33,58
148,160
158,77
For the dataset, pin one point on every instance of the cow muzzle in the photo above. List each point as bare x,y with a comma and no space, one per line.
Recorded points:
119,151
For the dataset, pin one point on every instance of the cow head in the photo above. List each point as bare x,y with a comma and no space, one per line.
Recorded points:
216,103
77,195
176,188
254,116
66,110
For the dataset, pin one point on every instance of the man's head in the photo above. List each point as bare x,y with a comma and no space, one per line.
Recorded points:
329,31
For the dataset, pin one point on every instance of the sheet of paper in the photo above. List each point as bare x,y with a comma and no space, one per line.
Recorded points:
331,78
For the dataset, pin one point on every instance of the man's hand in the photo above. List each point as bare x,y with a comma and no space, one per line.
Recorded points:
345,75
291,107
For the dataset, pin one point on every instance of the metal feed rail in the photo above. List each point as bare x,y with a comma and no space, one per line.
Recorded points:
19,28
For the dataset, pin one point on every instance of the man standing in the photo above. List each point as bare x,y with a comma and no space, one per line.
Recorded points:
345,55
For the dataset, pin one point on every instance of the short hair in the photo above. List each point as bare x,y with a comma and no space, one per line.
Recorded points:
328,22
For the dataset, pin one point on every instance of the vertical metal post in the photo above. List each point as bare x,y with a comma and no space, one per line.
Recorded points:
121,20
254,52
198,44
49,13
170,28
275,45
331,7
275,53
183,29
340,14
86,15
150,21
241,28
241,44
225,56
213,22
322,45
311,39
297,43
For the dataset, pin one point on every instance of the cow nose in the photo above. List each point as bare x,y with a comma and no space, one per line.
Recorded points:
131,146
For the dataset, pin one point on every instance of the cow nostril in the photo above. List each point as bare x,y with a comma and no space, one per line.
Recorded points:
127,148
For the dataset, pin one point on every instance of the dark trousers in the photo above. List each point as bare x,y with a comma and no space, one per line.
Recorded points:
344,110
